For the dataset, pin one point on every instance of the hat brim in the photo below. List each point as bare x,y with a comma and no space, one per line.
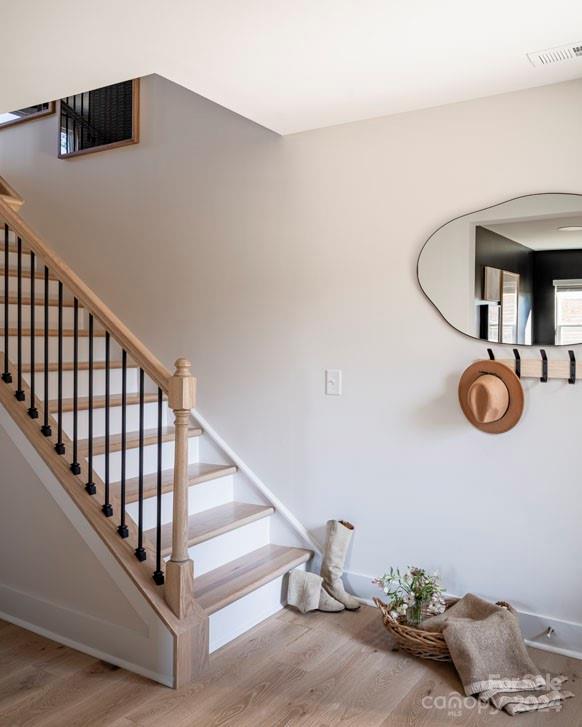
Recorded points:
514,388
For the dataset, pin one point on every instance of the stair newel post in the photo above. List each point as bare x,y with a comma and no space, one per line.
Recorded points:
179,586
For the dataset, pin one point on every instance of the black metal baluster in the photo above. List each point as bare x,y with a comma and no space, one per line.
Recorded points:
158,574
67,149
6,375
19,393
32,410
90,486
45,429
107,507
140,552
75,466
122,529
59,446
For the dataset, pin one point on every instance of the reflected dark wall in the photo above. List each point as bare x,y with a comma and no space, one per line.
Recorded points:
550,265
496,251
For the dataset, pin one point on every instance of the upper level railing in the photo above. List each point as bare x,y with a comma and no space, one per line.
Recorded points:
27,347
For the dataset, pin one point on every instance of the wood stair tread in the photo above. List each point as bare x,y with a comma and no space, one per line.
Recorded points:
69,366
99,402
197,473
217,588
215,521
53,332
39,300
38,273
150,436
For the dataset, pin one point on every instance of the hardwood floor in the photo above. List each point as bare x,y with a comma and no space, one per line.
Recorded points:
316,670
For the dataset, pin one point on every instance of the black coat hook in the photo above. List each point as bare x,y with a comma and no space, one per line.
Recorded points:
491,354
572,379
517,363
544,377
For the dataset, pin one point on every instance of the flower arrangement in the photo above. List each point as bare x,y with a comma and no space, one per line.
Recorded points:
412,594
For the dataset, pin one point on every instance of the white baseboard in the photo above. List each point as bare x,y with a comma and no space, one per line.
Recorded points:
96,653
566,638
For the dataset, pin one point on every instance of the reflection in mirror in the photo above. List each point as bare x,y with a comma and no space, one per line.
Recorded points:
10,118
511,273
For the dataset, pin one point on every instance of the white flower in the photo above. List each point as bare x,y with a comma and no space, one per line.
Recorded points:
394,614
386,589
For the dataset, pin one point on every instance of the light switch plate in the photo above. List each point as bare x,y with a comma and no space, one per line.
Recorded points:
333,382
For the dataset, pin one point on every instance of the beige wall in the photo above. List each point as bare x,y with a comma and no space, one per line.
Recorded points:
267,259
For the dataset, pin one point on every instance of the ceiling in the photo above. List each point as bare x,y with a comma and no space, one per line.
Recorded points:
288,65
543,234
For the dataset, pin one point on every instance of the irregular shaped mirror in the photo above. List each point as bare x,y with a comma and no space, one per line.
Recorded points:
511,273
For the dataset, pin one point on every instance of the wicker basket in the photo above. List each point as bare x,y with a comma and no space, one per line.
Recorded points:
416,641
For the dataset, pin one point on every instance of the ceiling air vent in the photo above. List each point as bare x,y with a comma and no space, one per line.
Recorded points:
556,55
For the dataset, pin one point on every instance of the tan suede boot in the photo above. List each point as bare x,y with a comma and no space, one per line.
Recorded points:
305,593
339,534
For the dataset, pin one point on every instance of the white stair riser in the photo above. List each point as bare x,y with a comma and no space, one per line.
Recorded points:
53,311
200,497
38,285
98,348
232,545
247,612
150,420
115,383
150,460
13,258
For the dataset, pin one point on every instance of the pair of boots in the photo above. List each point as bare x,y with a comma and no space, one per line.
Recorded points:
310,592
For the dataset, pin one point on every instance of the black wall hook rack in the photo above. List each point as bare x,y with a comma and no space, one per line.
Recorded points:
541,368
517,363
544,376
572,379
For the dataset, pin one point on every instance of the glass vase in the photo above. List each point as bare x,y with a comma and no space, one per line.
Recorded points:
415,614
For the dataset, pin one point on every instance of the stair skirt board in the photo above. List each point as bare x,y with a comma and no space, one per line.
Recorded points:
203,496
240,616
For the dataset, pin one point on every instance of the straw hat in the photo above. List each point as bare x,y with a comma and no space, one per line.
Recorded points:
491,396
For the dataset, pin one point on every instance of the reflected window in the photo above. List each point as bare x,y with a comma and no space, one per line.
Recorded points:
30,112
568,297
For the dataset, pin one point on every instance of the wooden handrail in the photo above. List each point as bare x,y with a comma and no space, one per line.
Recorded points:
140,354
10,195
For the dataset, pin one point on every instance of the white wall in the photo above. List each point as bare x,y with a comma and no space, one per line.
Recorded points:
268,259
59,579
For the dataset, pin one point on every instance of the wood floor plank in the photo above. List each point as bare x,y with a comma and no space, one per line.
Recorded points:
240,658
213,522
219,587
293,670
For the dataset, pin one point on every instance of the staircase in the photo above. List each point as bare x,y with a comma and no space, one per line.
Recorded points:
115,427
